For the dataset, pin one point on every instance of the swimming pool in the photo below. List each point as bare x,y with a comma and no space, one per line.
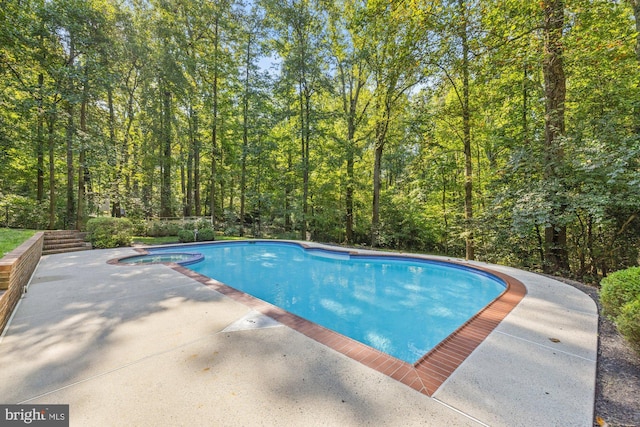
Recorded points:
398,305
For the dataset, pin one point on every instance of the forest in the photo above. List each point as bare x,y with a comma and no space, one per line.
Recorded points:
506,131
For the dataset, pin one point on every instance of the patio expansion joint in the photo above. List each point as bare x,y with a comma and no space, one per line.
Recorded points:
435,399
548,347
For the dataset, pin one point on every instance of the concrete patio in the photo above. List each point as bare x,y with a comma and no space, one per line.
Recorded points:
146,345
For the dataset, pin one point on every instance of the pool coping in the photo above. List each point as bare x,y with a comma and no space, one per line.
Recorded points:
431,370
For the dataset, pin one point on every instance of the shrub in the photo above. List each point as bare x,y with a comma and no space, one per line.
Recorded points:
619,289
107,232
205,232
162,229
620,298
22,212
186,236
628,323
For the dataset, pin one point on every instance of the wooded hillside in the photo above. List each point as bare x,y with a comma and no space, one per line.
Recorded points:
507,131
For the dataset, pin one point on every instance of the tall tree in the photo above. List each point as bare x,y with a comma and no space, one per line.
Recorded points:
466,132
396,51
216,61
556,257
349,51
636,13
300,44
251,49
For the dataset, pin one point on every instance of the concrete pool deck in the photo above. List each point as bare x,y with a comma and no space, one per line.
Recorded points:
146,345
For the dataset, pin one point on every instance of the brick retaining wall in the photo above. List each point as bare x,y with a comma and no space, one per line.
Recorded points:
15,271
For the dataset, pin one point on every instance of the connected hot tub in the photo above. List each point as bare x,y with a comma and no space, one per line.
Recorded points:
182,258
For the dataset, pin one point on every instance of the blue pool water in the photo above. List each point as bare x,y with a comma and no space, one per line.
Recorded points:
401,306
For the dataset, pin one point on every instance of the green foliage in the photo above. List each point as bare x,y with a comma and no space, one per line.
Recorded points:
199,231
186,236
152,96
22,212
134,210
406,226
157,228
619,289
152,241
206,234
628,323
108,232
620,298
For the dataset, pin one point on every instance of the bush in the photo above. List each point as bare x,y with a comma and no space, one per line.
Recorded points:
162,229
107,232
628,323
206,234
22,212
188,234
620,298
619,289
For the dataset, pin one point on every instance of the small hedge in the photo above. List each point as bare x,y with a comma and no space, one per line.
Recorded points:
620,298
619,289
628,323
162,229
204,232
107,232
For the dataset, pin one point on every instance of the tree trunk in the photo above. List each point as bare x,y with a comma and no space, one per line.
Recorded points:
165,190
70,132
114,160
636,13
245,136
351,86
214,125
306,166
288,190
304,98
52,168
188,191
127,152
197,209
40,140
349,195
466,129
375,214
82,155
381,128
556,256
525,105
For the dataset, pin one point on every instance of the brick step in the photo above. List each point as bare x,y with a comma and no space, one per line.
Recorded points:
60,241
64,239
65,250
61,233
61,244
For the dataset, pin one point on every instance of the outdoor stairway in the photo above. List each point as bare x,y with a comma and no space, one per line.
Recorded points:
59,241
